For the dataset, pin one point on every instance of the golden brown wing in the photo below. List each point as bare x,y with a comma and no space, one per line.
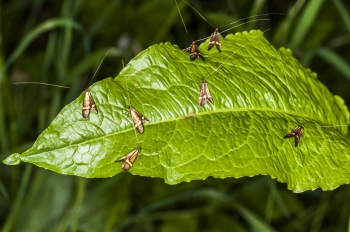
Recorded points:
92,104
129,159
193,52
202,94
208,95
215,40
212,41
137,120
297,132
86,104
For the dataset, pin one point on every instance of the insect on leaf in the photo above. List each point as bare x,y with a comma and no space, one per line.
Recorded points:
241,136
88,104
129,159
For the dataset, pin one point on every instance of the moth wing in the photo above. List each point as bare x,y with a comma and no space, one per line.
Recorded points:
133,155
208,95
122,159
86,104
202,95
93,104
200,55
126,166
217,41
289,135
144,119
211,42
198,52
140,128
193,56
297,139
130,159
137,119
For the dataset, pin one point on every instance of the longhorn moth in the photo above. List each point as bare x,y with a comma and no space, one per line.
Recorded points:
215,36
88,101
204,93
129,159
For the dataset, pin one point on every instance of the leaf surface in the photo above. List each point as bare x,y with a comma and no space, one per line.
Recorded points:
260,95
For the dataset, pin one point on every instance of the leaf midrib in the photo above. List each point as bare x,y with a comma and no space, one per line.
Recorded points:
180,118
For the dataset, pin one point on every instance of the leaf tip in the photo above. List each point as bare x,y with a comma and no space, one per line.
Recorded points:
13,159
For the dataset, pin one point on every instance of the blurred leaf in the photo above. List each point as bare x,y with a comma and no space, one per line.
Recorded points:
43,27
258,99
305,22
335,60
344,14
286,26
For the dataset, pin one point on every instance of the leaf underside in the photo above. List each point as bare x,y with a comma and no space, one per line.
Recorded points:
260,95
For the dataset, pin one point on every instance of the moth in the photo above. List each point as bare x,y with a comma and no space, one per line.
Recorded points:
215,37
88,104
297,132
138,119
129,159
204,94
194,52
88,101
215,40
193,49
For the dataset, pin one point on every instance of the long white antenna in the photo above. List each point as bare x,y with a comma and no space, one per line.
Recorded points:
232,22
234,27
127,90
40,83
61,86
252,17
199,13
237,51
99,65
334,126
182,19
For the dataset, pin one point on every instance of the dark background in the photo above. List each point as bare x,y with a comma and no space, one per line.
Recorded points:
62,42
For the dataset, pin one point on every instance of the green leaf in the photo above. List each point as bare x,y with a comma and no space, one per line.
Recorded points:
260,94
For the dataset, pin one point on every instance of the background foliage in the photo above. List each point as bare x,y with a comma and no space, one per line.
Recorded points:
63,41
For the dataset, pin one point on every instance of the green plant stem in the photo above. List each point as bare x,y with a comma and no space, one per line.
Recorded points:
12,216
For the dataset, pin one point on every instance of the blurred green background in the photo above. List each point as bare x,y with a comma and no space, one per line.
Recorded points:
62,42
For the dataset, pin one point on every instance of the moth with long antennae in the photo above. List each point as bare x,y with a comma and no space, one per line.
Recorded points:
215,36
204,93
129,159
88,101
137,118
193,49
297,132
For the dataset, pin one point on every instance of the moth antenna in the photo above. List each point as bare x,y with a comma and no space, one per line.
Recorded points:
41,83
99,65
182,19
234,27
199,13
334,126
127,90
252,17
237,51
245,23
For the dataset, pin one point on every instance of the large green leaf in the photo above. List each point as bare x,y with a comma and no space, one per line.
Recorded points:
258,99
